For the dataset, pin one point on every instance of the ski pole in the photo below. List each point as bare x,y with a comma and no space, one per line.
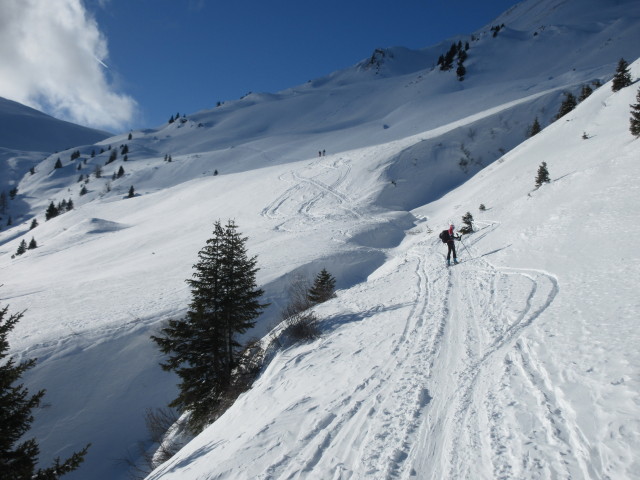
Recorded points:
465,247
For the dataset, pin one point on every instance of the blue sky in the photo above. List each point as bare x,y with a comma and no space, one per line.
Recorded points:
159,57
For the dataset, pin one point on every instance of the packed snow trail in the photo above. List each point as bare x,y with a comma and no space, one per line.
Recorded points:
486,312
426,408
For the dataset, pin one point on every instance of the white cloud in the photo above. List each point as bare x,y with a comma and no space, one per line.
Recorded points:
52,58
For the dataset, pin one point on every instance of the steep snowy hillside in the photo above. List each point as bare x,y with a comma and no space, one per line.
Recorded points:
27,136
520,362
23,128
408,361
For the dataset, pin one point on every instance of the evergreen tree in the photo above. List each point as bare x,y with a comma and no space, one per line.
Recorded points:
51,212
34,224
112,157
120,172
132,192
18,460
567,105
543,175
70,205
98,171
130,136
32,244
3,203
461,72
634,121
535,128
83,190
622,77
467,220
202,347
32,170
585,92
22,247
125,149
323,287
58,163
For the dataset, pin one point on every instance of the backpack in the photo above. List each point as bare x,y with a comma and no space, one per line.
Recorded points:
444,236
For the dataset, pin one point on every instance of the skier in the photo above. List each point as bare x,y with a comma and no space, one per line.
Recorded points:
447,236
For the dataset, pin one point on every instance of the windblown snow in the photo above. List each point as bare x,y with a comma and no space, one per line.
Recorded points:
520,362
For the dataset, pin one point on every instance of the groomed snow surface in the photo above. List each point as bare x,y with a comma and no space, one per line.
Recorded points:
521,362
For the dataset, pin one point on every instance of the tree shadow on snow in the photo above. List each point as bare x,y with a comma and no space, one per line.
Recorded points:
495,251
333,323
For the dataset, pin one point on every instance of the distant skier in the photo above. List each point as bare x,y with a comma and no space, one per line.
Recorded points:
447,236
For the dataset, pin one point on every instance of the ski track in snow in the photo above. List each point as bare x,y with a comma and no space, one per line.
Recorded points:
297,197
481,314
409,416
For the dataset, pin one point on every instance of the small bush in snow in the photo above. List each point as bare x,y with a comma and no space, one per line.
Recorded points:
634,121
467,220
302,327
543,175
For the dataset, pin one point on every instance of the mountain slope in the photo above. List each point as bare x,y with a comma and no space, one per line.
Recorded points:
19,124
398,135
27,136
509,365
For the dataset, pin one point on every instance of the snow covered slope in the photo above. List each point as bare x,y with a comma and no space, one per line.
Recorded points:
509,365
27,136
521,362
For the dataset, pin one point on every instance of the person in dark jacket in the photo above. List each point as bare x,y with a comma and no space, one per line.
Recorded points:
451,245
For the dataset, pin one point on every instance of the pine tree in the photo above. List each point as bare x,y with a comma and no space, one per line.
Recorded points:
543,175
535,128
634,121
58,163
120,172
568,104
622,77
34,224
202,347
22,247
132,192
18,460
112,157
467,220
51,212
32,244
323,287
585,93
83,190
130,136
461,72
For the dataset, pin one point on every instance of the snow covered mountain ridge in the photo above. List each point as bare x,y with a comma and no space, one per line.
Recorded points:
518,363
